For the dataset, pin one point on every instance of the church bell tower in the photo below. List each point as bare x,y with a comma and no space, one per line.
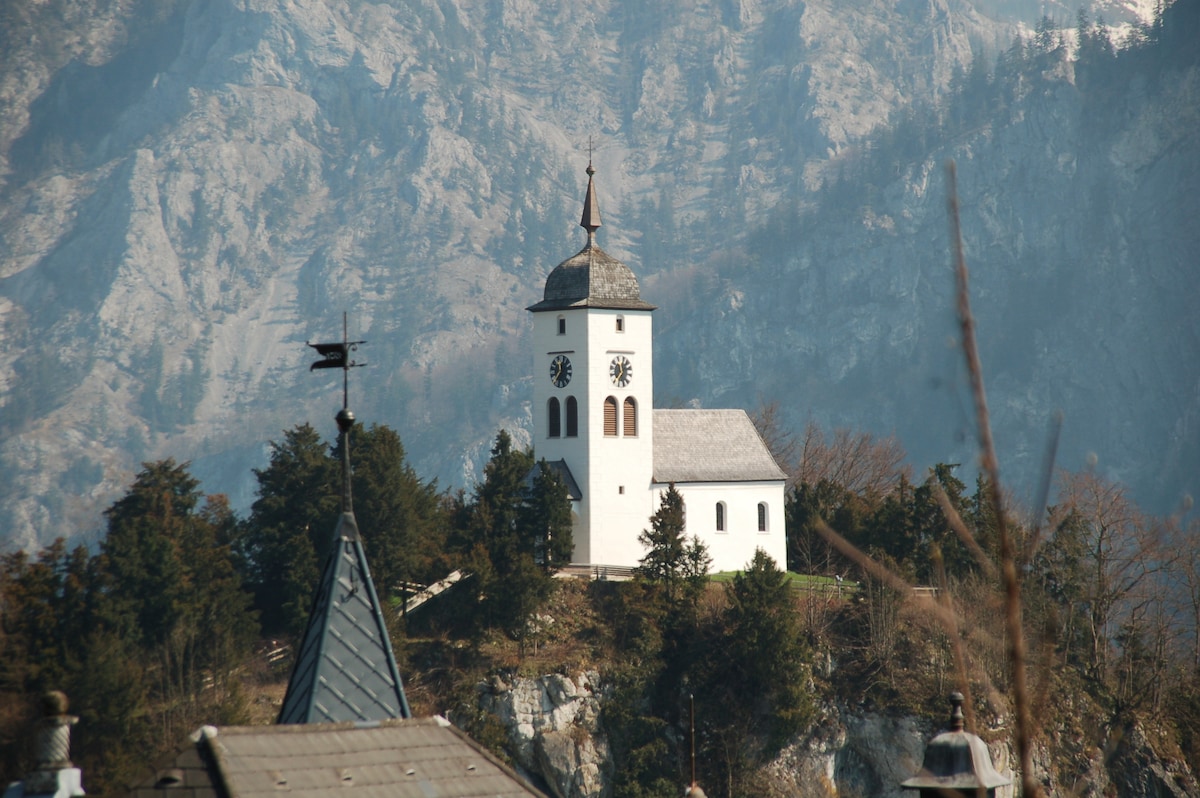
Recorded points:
593,395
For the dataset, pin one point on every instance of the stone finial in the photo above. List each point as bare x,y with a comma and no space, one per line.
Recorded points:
54,774
54,732
956,711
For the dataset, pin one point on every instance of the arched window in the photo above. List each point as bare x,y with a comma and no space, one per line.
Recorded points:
555,417
720,516
762,516
572,417
610,417
629,419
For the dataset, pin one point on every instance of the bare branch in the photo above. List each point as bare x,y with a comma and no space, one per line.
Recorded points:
1012,588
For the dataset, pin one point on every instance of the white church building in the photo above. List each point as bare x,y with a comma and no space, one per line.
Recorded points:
594,422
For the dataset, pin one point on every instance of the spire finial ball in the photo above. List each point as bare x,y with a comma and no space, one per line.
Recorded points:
345,419
956,713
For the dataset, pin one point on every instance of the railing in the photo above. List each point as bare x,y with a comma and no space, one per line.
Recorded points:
597,573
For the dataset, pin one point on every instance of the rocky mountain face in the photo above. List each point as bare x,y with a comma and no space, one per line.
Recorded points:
190,190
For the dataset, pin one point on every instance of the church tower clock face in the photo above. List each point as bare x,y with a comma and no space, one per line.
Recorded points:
620,371
560,371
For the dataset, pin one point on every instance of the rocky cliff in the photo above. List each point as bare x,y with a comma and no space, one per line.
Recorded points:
191,190
555,733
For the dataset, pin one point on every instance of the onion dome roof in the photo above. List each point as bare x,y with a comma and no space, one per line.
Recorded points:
591,278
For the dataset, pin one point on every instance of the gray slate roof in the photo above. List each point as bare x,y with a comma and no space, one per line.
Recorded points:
710,446
345,669
425,758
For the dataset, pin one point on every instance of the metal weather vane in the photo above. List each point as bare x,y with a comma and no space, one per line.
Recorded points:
337,356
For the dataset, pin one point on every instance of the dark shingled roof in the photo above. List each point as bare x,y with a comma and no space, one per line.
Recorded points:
591,278
564,473
426,758
710,446
345,669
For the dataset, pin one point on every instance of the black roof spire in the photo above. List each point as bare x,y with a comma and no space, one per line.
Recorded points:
345,669
591,206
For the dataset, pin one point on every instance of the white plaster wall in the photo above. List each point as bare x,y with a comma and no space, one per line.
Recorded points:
613,473
733,549
621,467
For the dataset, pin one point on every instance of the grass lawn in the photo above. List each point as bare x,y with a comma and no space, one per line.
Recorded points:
798,581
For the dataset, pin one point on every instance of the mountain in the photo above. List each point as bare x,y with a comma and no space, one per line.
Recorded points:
193,189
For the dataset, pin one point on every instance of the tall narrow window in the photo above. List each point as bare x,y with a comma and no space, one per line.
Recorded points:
555,416
620,324
762,516
720,516
572,417
629,419
610,417
562,325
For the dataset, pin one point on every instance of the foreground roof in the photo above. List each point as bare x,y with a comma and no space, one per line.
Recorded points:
345,669
425,758
710,446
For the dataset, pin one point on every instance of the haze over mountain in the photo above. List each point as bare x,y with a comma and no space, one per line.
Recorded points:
191,190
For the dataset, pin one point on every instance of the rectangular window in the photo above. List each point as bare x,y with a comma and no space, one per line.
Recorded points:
620,324
562,326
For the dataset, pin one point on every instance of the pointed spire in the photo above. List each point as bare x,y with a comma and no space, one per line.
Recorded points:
345,668
591,206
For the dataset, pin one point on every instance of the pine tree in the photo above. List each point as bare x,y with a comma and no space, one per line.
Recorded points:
290,528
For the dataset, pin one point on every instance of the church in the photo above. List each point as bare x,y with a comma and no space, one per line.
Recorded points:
595,423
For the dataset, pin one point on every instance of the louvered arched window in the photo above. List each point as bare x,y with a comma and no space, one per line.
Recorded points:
572,417
610,417
720,516
629,419
554,415
762,517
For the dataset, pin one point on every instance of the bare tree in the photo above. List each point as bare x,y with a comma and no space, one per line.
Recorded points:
858,461
1122,549
780,440
1189,582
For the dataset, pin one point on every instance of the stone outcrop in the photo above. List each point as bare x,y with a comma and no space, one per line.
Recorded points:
553,725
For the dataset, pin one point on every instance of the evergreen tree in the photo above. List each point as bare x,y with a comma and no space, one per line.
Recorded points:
400,517
507,529
545,520
679,566
172,587
290,528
